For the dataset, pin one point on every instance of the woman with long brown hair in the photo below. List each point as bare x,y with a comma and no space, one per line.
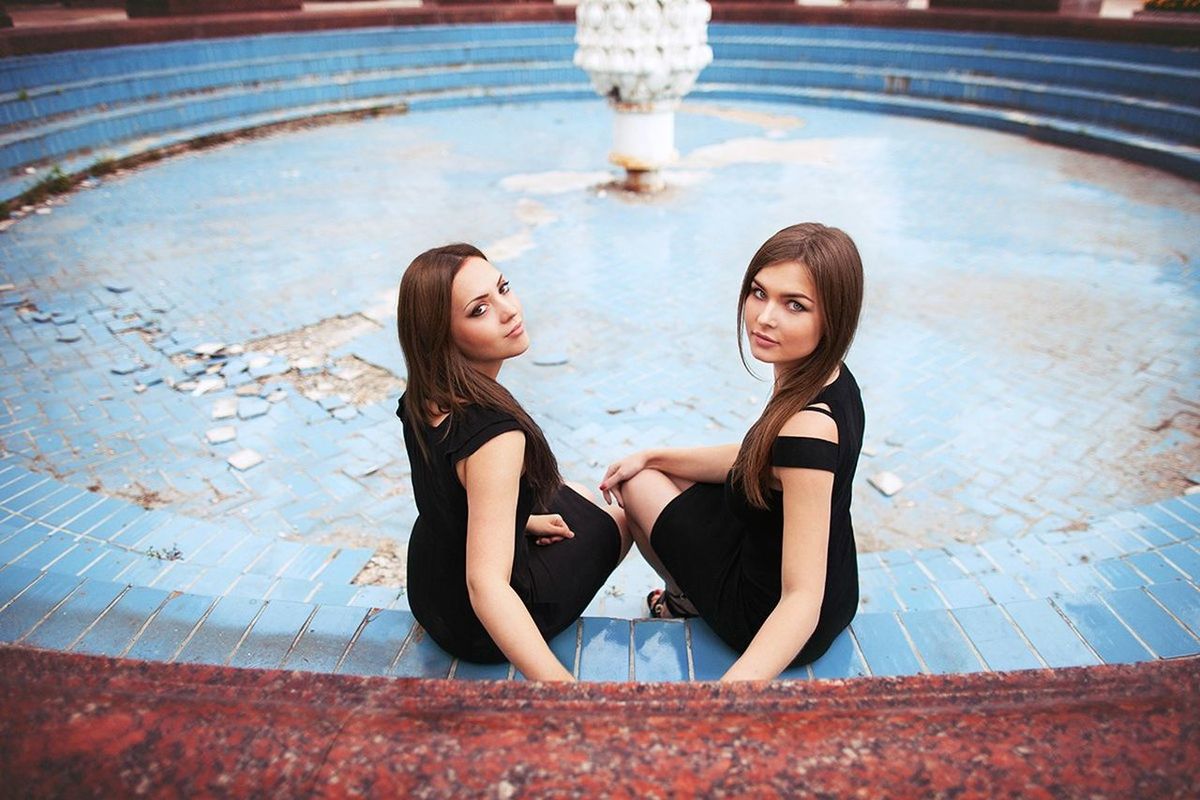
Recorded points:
756,539
485,481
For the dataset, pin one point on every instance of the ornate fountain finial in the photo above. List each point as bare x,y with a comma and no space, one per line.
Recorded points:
644,55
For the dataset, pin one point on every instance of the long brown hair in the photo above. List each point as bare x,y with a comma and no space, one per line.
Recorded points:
835,267
438,374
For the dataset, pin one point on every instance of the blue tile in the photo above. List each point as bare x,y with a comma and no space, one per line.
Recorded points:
841,660
1003,588
52,547
996,639
276,557
1044,627
272,634
1119,574
326,639
1185,558
79,557
566,645
378,643
877,599
470,671
13,581
22,542
60,630
291,589
422,658
940,565
308,563
345,565
711,657
604,649
1043,584
111,564
919,598
884,645
32,605
116,629
660,650
963,593
218,635
942,646
1182,600
171,626
1154,567
337,594
1154,626
251,585
214,581
1101,629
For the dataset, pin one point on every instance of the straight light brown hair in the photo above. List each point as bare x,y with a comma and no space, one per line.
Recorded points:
835,268
439,376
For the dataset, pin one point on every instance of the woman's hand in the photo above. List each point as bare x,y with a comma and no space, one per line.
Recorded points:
618,472
547,528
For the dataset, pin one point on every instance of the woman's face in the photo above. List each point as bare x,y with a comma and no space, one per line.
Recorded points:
485,318
783,319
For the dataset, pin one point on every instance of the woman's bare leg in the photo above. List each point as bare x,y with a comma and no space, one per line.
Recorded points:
645,495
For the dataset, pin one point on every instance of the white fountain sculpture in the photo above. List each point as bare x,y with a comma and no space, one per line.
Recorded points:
644,55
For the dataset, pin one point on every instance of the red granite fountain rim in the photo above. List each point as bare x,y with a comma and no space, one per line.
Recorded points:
26,40
1167,680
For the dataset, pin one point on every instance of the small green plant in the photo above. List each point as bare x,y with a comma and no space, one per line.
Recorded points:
103,166
22,95
173,553
55,182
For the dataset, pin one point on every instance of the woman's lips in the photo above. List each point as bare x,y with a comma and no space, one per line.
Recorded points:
765,341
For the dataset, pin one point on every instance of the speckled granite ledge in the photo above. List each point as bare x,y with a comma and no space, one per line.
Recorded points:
84,725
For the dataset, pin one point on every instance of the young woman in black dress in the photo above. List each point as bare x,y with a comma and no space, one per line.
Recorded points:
756,539
485,482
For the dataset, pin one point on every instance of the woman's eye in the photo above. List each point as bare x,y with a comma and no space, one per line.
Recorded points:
479,310
504,288
758,293
795,306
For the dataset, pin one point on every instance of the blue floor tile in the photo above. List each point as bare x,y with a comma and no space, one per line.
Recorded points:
60,630
116,629
170,628
711,657
79,557
1154,626
344,566
996,638
1044,627
1101,629
1182,600
1185,558
326,639
378,643
1003,588
111,564
604,649
22,542
1119,574
884,645
942,646
660,650
13,581
217,637
422,658
841,660
1154,567
213,581
32,605
470,671
272,635
922,598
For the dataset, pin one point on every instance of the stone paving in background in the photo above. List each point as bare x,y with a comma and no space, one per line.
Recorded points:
1027,352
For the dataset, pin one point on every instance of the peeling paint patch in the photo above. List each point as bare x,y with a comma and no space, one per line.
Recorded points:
558,182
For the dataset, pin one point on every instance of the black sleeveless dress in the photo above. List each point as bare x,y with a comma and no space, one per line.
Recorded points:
727,555
555,582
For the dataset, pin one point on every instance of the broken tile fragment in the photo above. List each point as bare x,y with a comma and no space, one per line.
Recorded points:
118,288
208,348
206,385
126,367
70,333
251,407
888,483
331,403
243,460
225,433
247,389
277,396
225,408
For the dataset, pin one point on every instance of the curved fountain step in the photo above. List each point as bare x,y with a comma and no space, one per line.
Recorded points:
1133,101
1173,157
1126,590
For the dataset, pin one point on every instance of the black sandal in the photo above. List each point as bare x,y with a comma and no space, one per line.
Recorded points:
669,605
